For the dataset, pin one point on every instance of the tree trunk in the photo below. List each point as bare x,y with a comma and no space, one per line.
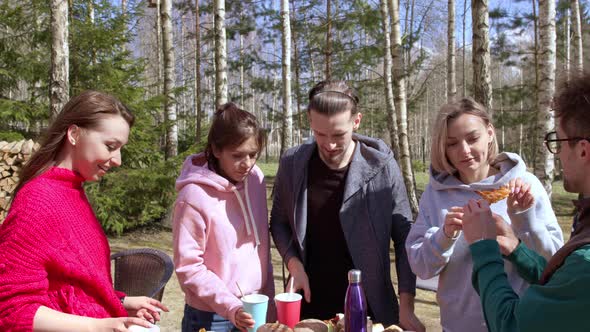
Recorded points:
547,86
577,25
159,43
566,35
451,78
482,81
183,104
298,98
400,105
464,49
124,12
536,90
287,121
387,67
198,72
220,54
169,83
242,88
60,55
328,72
408,57
520,112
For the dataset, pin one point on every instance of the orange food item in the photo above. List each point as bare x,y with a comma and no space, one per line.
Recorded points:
496,195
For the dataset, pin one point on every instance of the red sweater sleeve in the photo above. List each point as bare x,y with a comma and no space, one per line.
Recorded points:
23,276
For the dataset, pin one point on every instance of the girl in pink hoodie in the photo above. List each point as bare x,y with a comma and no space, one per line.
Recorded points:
220,225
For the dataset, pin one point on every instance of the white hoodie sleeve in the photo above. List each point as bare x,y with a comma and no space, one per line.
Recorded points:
428,248
190,242
537,227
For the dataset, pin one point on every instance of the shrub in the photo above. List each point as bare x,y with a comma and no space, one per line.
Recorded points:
130,198
11,136
418,166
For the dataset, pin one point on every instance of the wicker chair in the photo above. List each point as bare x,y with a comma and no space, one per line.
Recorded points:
142,272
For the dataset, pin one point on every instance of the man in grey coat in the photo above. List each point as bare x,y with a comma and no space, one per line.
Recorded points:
338,202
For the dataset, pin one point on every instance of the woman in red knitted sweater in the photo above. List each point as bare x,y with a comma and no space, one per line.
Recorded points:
54,255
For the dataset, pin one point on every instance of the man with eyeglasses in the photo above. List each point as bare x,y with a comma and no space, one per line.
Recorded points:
559,295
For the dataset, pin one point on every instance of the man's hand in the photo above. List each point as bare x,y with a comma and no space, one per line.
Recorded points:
407,318
144,307
521,198
299,276
478,223
505,235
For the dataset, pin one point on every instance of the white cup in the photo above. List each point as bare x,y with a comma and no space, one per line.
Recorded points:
137,328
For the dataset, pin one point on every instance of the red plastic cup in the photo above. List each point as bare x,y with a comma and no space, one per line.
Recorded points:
288,308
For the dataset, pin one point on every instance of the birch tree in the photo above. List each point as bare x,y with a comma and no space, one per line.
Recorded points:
547,59
197,96
60,66
169,80
399,87
159,43
221,93
328,71
451,76
567,42
387,67
287,122
298,101
482,81
464,49
578,58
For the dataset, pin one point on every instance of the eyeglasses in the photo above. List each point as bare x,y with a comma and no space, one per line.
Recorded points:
553,143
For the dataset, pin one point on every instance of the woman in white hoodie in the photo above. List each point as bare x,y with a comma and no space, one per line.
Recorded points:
465,159
220,225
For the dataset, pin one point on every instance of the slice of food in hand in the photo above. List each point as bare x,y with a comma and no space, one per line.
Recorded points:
495,195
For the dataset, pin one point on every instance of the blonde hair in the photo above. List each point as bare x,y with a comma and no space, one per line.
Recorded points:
448,112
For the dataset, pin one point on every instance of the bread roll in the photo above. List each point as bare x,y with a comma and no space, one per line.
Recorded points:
393,328
274,327
311,325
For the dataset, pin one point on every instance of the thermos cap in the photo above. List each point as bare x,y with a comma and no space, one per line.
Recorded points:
354,276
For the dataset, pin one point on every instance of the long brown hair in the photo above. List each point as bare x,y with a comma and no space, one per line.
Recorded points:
231,126
84,111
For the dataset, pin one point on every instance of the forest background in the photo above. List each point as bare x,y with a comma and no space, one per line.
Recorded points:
173,62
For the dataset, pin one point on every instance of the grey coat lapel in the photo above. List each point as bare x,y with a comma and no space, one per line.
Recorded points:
300,191
362,169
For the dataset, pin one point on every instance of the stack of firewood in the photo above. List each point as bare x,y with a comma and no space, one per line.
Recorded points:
12,156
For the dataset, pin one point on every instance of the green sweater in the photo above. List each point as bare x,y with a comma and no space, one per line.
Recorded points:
560,305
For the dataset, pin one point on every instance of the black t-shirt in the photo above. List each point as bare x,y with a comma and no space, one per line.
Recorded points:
328,258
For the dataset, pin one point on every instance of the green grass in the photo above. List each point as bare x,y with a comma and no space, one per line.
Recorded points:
269,169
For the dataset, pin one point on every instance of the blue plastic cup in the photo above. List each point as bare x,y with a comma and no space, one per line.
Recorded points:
256,305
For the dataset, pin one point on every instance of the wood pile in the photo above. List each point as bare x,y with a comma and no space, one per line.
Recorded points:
13,155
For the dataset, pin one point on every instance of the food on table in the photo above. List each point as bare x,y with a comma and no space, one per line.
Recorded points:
377,328
311,325
393,328
274,327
